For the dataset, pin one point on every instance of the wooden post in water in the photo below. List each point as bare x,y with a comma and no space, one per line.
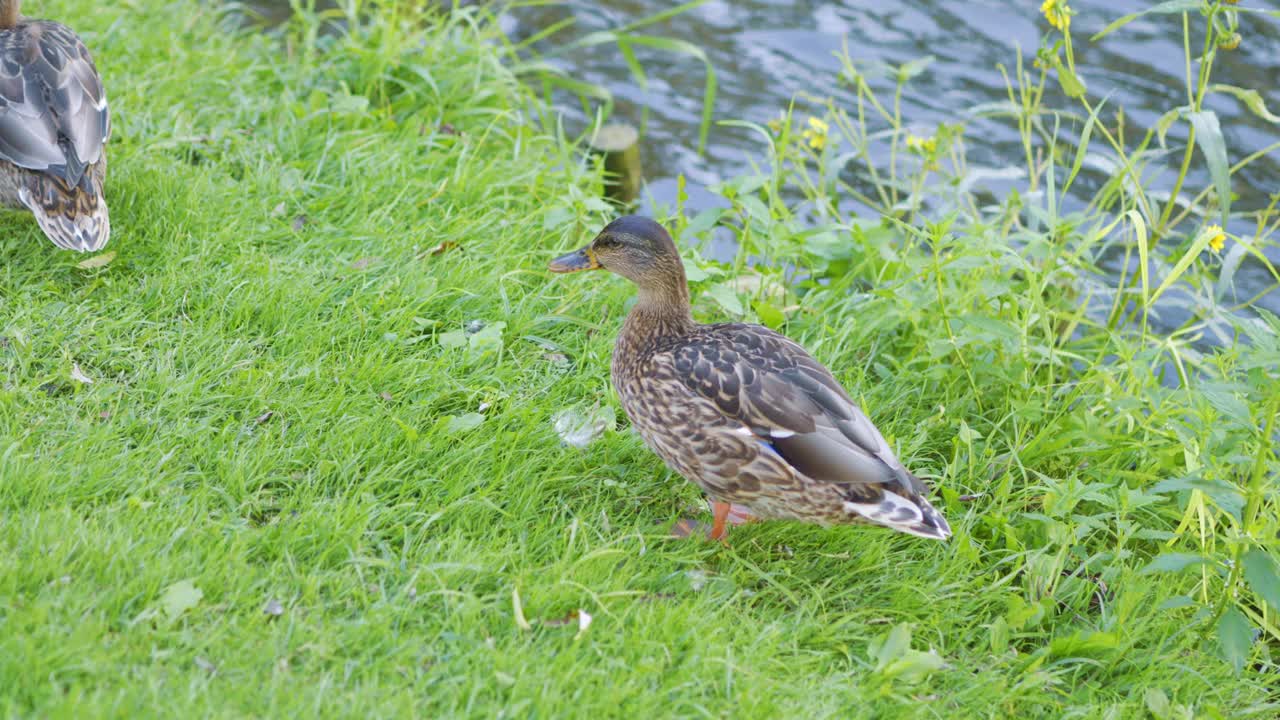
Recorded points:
619,146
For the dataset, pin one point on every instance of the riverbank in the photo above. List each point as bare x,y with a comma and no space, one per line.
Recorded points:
292,449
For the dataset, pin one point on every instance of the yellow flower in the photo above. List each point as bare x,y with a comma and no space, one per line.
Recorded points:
923,146
1057,13
816,133
775,125
1217,238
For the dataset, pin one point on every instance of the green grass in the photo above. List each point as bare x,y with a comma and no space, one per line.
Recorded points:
274,417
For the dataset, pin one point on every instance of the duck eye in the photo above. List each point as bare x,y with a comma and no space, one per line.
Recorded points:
607,241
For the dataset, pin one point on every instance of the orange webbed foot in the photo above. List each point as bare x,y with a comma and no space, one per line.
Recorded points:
723,515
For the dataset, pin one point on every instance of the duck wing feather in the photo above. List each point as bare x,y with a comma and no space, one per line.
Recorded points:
53,110
795,409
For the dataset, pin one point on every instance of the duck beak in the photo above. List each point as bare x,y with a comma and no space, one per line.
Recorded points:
581,259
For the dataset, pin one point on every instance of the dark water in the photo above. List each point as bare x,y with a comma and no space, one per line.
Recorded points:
767,52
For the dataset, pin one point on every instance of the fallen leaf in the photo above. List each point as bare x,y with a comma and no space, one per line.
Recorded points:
264,417
386,396
477,336
443,247
487,338
97,261
205,665
300,222
452,339
364,262
78,375
462,423
697,579
579,429
896,660
278,210
179,598
517,611
273,608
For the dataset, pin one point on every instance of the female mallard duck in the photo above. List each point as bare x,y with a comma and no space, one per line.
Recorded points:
740,410
53,123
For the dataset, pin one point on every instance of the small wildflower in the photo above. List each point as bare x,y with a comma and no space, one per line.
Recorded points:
816,133
1044,58
1230,42
923,146
1057,13
1217,238
775,125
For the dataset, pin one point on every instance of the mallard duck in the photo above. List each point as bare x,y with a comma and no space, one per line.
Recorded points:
53,124
741,411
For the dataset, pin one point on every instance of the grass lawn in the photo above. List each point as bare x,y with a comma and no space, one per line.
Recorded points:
316,465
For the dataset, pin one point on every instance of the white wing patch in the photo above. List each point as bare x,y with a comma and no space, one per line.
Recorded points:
775,433
903,515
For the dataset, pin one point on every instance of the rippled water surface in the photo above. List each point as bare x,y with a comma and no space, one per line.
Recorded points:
768,52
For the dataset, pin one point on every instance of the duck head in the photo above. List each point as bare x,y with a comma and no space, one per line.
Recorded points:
636,248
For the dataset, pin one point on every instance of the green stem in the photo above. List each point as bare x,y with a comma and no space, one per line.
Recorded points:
1260,468
1158,230
1124,158
1196,98
936,241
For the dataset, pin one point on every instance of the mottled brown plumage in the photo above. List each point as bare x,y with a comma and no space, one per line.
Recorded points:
740,410
53,125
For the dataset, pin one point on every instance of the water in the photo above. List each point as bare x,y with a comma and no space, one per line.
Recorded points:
767,52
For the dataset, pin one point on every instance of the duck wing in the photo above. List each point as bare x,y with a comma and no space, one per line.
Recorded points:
53,111
795,409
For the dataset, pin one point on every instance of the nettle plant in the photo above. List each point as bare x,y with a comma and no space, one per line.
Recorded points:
1119,443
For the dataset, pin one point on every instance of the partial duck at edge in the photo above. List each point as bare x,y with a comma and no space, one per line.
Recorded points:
54,123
